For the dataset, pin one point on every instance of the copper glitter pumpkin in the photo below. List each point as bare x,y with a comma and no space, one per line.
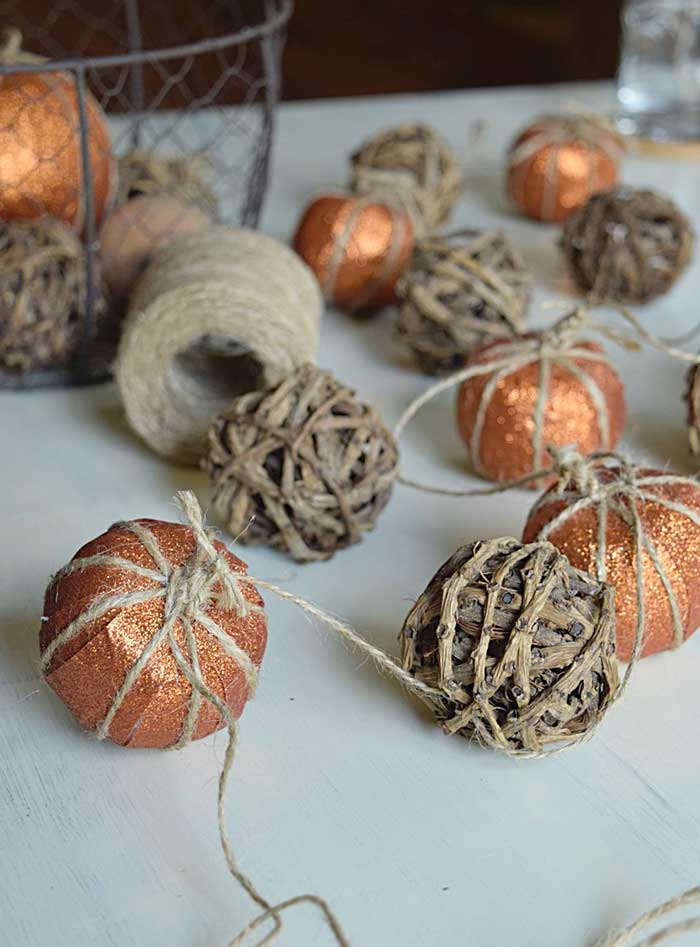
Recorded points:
558,162
88,669
497,411
357,248
40,160
669,536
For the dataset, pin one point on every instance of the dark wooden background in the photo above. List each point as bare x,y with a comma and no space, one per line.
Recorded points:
357,47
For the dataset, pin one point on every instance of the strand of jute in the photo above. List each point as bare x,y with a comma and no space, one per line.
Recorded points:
623,937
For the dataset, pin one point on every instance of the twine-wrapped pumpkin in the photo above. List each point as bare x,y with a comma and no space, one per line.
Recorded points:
518,645
627,245
459,291
303,466
636,528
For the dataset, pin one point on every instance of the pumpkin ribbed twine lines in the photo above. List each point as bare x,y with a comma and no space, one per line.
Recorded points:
188,591
217,314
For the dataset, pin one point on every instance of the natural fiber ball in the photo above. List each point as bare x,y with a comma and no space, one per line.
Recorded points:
356,247
144,172
627,246
134,232
557,162
519,644
304,466
507,415
589,518
459,291
692,399
110,605
42,295
413,166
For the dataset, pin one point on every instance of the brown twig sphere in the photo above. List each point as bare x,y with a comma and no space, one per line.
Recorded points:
303,466
520,644
627,245
42,295
459,291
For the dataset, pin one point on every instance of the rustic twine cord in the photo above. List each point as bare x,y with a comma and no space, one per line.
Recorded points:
11,50
626,245
145,172
592,132
412,166
216,314
622,938
305,467
207,579
459,291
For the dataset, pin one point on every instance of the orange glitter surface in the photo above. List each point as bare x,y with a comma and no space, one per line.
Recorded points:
559,177
40,162
505,450
87,671
356,249
676,540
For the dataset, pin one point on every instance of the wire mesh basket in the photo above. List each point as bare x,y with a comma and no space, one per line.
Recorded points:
103,102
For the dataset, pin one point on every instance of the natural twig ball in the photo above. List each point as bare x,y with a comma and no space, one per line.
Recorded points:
459,291
520,644
414,166
558,161
597,511
627,245
42,295
144,172
304,466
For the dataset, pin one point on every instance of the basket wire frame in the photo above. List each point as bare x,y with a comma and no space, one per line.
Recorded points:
159,101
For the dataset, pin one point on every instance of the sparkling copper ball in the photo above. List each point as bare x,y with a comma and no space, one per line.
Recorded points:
40,162
559,176
505,448
136,230
87,671
356,247
674,536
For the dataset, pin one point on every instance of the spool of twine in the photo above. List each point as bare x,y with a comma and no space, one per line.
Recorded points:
217,314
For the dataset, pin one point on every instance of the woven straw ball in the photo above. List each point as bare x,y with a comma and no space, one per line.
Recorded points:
459,291
42,295
627,245
518,643
302,466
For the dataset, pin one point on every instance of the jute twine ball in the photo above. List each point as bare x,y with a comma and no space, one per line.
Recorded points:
594,513
303,466
519,643
216,314
544,388
557,162
459,291
411,165
143,172
357,248
42,295
627,245
145,621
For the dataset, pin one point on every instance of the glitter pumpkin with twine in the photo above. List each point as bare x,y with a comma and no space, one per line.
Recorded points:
559,161
639,530
40,141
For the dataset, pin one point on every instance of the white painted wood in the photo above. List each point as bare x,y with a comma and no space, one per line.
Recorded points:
103,846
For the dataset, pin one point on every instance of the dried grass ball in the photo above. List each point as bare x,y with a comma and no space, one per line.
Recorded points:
143,172
414,166
459,291
588,515
356,248
42,295
304,466
557,162
519,644
627,245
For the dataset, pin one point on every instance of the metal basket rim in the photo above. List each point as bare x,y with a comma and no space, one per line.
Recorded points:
265,28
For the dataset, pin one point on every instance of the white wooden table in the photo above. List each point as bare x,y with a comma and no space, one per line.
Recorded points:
342,785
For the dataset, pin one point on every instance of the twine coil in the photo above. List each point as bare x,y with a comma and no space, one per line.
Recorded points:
459,291
216,314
